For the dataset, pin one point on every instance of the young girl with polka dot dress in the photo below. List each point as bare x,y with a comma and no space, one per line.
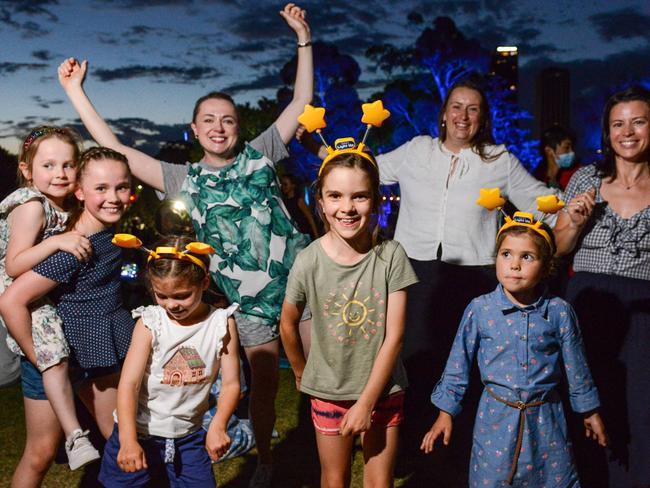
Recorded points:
87,294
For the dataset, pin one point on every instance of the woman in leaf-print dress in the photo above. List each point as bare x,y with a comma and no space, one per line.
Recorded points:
235,204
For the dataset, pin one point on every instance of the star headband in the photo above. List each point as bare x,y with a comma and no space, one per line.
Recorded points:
313,119
490,198
130,241
40,132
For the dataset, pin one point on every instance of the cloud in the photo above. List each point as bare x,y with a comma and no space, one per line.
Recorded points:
13,12
10,68
160,74
43,103
43,55
268,80
624,23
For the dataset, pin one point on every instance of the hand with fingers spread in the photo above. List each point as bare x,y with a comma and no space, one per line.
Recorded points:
442,426
74,243
131,457
72,73
580,207
595,428
295,18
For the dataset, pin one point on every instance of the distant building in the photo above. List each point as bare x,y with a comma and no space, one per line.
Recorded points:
553,99
505,64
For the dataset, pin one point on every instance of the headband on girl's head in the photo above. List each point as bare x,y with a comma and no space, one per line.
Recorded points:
130,241
313,119
490,198
40,132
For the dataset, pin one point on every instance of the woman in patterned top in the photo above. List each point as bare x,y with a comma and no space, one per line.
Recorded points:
607,225
235,203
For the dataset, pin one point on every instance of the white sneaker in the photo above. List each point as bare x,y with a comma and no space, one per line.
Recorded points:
79,449
262,476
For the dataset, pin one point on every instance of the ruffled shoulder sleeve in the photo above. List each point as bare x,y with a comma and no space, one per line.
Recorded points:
219,321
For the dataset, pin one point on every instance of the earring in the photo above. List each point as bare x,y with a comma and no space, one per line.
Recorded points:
444,124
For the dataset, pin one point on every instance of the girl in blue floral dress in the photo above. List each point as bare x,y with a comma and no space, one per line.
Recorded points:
521,338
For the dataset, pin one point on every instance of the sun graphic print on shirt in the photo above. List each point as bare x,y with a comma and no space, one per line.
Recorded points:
352,315
185,367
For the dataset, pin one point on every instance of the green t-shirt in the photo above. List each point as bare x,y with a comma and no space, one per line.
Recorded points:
348,305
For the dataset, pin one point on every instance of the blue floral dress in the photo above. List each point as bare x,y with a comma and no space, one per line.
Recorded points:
50,345
520,353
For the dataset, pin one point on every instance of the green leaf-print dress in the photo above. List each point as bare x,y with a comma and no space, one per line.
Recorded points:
239,211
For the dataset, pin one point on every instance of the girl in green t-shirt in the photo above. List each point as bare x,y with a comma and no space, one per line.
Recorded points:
355,288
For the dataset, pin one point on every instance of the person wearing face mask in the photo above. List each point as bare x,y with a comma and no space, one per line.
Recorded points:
558,159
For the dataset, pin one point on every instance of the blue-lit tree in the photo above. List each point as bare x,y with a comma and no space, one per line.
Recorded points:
442,56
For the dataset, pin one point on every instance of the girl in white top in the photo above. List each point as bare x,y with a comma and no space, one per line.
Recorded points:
177,349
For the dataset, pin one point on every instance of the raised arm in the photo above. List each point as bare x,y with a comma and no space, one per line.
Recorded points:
303,90
143,167
25,229
357,419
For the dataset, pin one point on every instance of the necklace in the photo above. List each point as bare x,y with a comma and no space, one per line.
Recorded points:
628,187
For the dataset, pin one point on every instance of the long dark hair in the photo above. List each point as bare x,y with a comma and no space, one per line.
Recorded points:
483,136
607,165
352,161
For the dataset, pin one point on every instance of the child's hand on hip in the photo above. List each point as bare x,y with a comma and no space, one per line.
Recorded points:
443,425
595,429
131,457
356,420
217,443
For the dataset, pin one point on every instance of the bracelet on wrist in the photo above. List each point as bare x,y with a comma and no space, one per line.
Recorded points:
304,44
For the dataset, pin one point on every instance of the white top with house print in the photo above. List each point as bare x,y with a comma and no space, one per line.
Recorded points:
181,369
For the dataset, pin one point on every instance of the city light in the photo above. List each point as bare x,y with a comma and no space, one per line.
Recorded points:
178,205
507,49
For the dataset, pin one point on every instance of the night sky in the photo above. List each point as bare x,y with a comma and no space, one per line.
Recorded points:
153,59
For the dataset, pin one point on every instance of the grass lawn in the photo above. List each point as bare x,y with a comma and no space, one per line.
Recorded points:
296,458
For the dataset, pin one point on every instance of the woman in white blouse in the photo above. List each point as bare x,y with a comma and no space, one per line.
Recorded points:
447,236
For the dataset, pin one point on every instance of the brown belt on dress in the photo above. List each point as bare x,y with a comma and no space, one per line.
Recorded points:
521,406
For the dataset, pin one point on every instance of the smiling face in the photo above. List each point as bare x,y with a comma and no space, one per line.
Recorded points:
462,118
53,170
520,267
181,299
629,130
216,126
104,188
347,204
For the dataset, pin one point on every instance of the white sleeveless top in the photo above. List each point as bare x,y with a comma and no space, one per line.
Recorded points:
180,371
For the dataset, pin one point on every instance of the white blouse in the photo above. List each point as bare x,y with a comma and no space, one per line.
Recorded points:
437,208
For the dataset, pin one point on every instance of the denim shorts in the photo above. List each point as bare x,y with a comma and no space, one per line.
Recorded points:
31,380
253,333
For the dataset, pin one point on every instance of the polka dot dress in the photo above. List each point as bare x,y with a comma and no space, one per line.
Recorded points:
97,327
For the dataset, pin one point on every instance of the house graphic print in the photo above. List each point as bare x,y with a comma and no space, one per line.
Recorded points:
184,367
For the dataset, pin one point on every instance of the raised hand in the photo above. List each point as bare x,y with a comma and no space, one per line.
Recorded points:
72,73
580,207
294,16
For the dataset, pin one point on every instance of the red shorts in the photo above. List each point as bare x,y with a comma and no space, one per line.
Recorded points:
328,414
